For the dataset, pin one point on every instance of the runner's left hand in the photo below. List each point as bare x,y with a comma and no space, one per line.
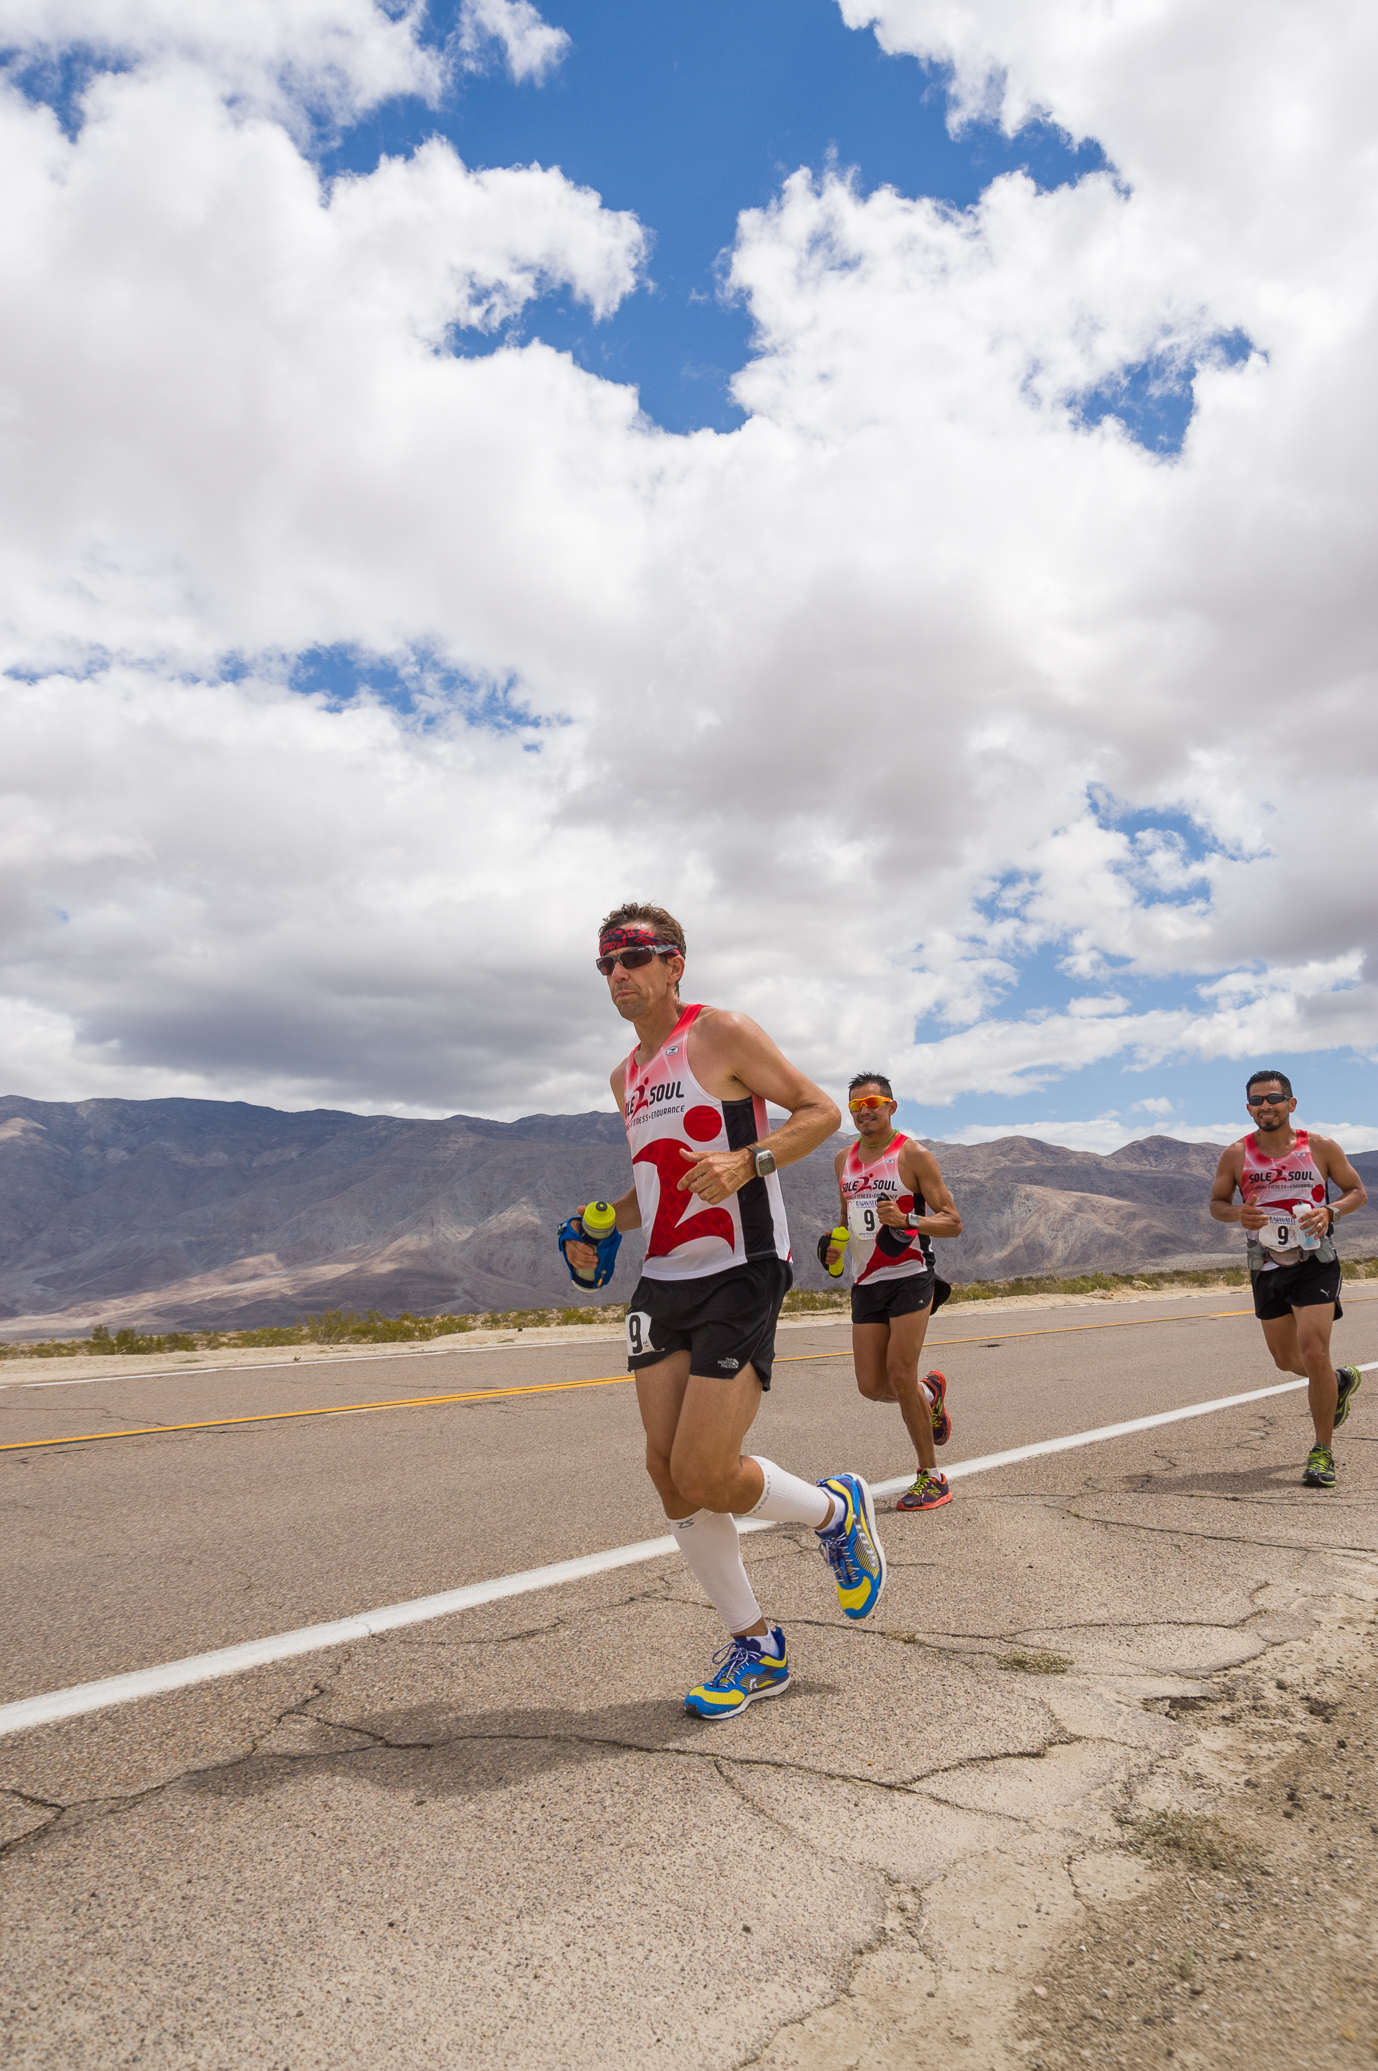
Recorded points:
716,1175
1315,1220
896,1218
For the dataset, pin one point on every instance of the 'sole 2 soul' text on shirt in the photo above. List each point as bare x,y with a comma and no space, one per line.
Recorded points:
1283,1186
878,1251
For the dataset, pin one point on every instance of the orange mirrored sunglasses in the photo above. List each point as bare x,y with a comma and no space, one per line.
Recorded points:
869,1100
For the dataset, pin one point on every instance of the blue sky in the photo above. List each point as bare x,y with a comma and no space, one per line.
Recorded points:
687,116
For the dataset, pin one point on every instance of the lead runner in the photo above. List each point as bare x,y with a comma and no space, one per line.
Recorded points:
701,1322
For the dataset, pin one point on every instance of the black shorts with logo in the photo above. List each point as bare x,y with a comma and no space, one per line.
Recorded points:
1306,1285
724,1321
882,1301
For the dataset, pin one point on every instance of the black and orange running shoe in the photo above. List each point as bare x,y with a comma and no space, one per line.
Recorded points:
929,1492
942,1422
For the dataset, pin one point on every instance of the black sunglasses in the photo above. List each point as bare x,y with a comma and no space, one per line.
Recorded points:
1266,1099
633,959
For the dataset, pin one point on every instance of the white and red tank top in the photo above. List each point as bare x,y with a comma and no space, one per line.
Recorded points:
667,1113
879,1252
1284,1186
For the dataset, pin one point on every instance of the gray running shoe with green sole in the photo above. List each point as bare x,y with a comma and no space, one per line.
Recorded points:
1320,1468
1349,1378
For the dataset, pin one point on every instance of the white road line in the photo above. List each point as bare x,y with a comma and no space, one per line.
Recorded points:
311,1639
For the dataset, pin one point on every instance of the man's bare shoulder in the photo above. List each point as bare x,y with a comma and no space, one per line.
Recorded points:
730,1038
840,1160
725,1023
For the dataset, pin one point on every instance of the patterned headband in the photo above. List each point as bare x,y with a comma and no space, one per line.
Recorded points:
635,936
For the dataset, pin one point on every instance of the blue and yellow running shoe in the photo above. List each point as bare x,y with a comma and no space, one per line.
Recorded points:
744,1673
1348,1379
852,1548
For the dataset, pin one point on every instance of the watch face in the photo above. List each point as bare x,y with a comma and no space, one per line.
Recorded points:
765,1164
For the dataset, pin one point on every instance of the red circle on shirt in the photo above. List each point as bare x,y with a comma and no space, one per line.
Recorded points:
1318,1193
703,1124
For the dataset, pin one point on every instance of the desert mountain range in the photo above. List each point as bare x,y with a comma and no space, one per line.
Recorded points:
170,1214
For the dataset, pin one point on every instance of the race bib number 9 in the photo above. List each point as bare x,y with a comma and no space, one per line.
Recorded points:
1280,1235
863,1221
638,1333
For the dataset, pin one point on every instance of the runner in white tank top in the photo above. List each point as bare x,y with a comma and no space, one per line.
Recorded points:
1286,1187
879,1252
1283,1176
894,1203
667,1111
701,1321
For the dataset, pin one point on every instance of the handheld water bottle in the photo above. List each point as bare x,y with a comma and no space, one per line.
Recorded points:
596,1223
826,1242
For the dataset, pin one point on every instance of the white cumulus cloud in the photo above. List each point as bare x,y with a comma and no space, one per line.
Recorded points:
531,48
341,57
914,674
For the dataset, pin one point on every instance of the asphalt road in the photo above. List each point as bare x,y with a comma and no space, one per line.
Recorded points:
128,1553
496,1839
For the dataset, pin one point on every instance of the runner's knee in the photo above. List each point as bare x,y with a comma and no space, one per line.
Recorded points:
658,1467
706,1486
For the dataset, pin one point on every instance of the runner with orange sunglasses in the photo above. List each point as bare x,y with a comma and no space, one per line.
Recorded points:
894,1203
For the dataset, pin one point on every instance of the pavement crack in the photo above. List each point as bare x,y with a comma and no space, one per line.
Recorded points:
1187,1531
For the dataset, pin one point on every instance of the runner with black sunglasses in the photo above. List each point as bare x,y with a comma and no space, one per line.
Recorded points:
1283,1175
894,1202
701,1322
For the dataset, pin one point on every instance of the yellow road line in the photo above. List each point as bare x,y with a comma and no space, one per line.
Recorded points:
357,1409
343,1409
1070,1329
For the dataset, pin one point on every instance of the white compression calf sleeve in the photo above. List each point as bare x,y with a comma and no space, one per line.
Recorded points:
786,1499
708,1540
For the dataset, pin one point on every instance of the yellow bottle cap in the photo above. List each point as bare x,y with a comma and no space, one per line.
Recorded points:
599,1218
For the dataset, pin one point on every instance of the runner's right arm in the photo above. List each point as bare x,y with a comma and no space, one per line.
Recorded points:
1224,1207
627,1206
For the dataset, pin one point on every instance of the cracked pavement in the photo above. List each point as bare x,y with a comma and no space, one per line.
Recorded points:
497,1839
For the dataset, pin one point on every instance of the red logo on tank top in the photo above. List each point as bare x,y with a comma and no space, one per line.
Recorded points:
674,1225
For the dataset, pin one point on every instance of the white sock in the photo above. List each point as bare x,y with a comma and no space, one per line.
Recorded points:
927,1393
708,1540
786,1499
766,1642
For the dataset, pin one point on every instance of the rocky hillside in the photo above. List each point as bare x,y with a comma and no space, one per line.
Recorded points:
179,1213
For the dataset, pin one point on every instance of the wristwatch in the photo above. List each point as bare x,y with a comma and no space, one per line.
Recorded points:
764,1162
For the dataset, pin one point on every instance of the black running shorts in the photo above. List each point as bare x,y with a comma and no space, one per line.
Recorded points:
724,1321
1280,1289
882,1301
